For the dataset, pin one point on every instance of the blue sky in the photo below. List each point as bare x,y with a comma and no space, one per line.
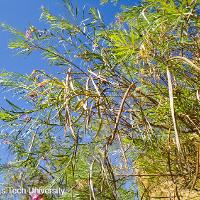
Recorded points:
22,13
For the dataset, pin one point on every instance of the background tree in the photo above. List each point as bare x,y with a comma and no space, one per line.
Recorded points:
126,104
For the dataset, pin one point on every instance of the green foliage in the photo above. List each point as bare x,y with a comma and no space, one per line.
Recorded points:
56,22
106,1
129,92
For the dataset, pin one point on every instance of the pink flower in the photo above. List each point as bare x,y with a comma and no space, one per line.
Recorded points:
28,34
37,197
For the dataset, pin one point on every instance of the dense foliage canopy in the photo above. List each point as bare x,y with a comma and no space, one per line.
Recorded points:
121,120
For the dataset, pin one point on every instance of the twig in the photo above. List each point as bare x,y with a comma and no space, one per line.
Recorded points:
187,61
68,117
120,112
197,169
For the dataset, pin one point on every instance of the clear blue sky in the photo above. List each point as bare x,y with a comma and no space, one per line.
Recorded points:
22,13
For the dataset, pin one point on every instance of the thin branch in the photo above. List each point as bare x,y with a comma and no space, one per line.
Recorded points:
186,60
132,85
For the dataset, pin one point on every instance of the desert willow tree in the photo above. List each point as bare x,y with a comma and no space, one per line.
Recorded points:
124,109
